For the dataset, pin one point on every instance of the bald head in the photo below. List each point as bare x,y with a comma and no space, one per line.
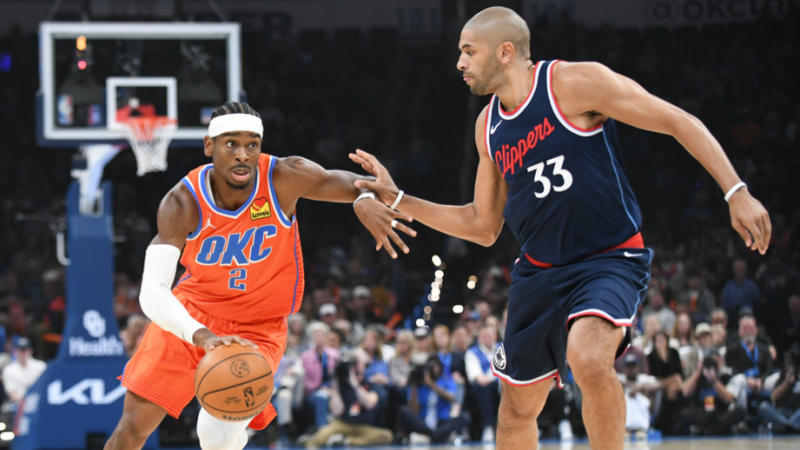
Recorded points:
498,24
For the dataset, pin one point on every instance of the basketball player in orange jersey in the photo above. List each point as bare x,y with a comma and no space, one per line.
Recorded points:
548,165
234,222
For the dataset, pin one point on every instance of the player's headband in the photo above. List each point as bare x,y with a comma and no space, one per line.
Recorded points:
228,123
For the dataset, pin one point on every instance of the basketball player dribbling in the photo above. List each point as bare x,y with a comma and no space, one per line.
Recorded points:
549,167
233,221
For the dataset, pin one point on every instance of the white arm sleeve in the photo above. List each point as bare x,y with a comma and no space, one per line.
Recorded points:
155,296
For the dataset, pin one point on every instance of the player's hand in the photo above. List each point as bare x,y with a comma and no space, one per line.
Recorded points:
750,220
378,218
383,185
208,340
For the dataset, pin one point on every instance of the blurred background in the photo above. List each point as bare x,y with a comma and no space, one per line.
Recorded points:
331,76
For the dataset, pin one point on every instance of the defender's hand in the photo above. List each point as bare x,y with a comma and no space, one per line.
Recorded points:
383,185
378,218
750,220
208,340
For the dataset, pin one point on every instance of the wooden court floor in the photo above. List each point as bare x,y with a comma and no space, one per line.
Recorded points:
791,442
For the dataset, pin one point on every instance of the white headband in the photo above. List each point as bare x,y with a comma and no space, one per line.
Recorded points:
235,122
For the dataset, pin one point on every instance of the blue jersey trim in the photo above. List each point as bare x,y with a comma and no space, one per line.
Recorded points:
210,199
619,183
196,231
297,273
281,216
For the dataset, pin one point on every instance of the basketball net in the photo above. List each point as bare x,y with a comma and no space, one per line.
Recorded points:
149,137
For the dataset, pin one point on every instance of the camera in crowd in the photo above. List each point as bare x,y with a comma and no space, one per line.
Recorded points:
433,366
342,370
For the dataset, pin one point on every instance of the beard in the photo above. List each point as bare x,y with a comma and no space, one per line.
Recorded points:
481,86
238,187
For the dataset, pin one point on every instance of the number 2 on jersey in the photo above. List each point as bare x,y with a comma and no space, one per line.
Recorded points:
238,277
558,170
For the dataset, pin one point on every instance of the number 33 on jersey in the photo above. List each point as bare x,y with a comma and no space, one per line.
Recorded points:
246,263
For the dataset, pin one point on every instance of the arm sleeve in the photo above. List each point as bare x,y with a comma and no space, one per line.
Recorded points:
156,298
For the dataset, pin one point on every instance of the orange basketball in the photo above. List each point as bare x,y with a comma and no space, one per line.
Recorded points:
233,382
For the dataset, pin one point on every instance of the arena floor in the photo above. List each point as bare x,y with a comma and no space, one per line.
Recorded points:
791,442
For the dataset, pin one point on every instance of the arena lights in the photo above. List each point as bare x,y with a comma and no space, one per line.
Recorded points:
472,282
7,435
436,260
420,322
82,64
2,426
439,274
80,43
458,309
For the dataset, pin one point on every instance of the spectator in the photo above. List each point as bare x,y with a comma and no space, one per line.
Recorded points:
703,348
377,371
750,358
481,380
453,362
656,305
20,374
665,366
739,292
327,314
684,333
711,407
288,391
461,340
400,365
424,343
433,408
639,391
319,362
652,325
782,410
719,339
789,328
356,406
696,299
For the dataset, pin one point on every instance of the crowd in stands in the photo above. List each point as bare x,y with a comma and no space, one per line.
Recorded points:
716,345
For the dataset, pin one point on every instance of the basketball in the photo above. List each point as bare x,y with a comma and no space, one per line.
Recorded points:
233,382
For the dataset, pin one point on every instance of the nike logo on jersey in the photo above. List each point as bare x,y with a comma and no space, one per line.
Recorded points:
494,127
631,255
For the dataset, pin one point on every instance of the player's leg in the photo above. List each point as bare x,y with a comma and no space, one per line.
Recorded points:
139,419
516,419
216,434
592,345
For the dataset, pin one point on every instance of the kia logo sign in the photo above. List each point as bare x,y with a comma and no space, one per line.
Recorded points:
90,391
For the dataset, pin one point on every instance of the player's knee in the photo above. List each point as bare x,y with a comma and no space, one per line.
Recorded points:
131,431
519,406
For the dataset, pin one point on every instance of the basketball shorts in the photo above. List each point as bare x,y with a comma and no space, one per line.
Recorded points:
162,369
543,303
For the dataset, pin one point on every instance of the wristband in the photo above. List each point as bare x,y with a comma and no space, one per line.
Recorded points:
367,194
397,199
733,190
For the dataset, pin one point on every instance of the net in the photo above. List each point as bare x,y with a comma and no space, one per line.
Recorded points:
149,137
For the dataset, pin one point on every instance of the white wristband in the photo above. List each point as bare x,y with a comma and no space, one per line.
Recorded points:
368,194
397,199
733,190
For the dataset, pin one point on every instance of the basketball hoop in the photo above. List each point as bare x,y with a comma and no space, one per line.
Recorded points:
149,137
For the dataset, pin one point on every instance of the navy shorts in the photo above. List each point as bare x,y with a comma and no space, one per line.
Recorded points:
543,302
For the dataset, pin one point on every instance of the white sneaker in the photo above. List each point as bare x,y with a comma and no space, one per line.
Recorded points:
418,438
488,435
565,430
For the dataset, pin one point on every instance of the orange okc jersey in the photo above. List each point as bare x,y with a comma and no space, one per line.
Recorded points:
246,265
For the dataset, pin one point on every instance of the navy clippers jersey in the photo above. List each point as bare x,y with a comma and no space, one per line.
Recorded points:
567,195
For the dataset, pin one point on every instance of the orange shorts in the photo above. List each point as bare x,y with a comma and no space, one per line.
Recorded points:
162,369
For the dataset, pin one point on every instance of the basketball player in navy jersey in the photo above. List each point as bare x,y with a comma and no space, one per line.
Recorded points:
549,166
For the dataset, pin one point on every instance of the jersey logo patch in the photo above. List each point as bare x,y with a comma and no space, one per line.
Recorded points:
259,209
494,127
499,359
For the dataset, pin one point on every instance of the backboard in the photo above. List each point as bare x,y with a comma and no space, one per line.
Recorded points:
92,74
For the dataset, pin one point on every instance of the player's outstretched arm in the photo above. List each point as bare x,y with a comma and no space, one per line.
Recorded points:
177,217
480,221
581,88
307,179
